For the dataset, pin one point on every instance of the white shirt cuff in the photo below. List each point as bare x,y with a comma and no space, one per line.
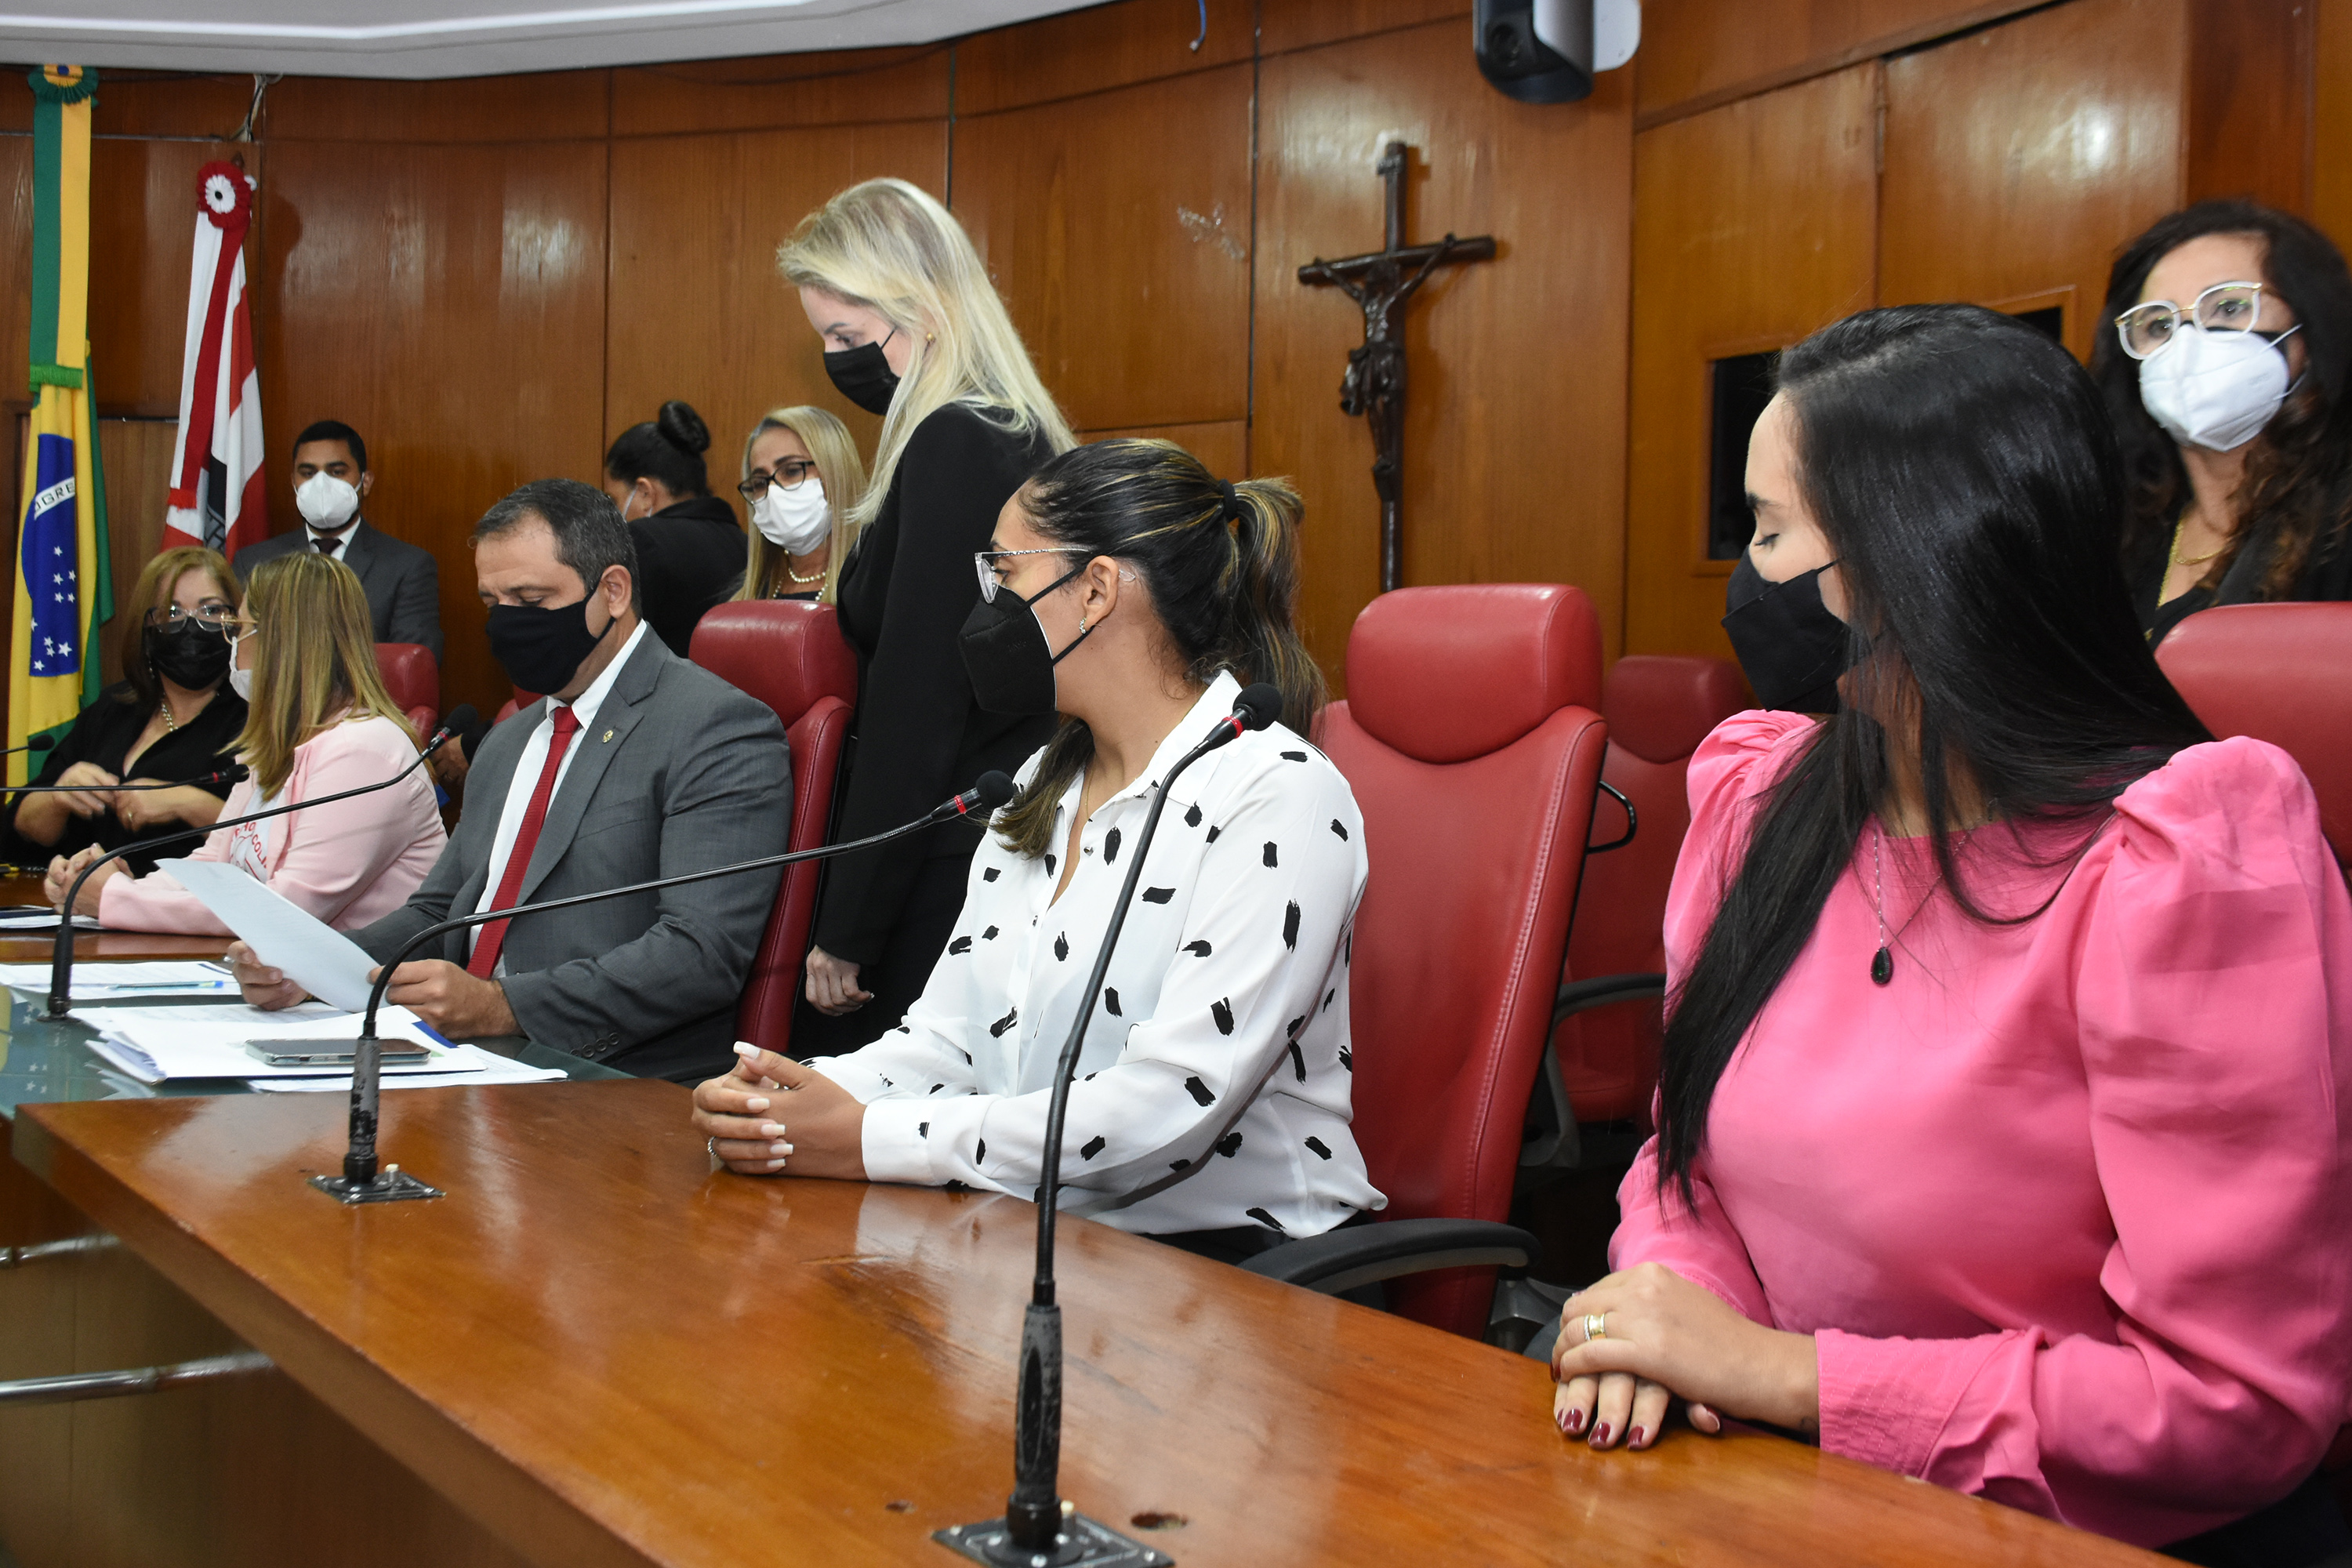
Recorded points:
895,1143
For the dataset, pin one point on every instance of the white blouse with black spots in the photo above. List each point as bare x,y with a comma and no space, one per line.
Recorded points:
1213,1087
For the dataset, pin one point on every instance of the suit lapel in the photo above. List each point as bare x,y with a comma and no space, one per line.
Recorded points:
359,555
597,744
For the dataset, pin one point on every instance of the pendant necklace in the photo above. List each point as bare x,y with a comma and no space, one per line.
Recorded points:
1882,963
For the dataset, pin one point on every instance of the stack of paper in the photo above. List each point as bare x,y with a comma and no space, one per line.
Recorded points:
208,1041
20,919
111,982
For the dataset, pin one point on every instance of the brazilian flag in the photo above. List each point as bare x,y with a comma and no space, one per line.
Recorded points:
63,590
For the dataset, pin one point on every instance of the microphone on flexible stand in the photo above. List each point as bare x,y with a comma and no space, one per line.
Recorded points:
363,1182
1038,1527
61,959
37,744
229,775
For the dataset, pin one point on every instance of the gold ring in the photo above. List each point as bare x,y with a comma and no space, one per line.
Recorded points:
1595,1326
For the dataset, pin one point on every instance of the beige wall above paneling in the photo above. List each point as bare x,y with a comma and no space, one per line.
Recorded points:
1757,223
1117,227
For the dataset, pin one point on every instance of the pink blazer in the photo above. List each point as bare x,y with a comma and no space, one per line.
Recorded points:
2064,1205
348,863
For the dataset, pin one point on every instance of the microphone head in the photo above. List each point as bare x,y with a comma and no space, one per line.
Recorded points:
41,743
1258,705
461,718
994,789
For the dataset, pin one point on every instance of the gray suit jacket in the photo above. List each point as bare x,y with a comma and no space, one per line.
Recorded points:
680,771
403,582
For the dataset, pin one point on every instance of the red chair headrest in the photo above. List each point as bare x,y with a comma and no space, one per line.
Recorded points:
1445,674
785,652
2281,673
1661,706
410,676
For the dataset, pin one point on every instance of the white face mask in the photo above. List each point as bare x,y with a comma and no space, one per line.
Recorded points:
327,502
2214,389
241,683
797,521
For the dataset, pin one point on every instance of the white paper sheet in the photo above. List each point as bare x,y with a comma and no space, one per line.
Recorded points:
208,1040
22,918
314,954
500,1069
108,981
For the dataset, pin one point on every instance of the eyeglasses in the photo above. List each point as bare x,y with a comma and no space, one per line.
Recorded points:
212,616
788,474
989,584
2147,330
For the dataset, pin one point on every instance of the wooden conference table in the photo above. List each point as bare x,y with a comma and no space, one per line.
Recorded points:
598,1350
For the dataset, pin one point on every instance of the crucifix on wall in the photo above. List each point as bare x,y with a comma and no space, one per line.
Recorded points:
1381,282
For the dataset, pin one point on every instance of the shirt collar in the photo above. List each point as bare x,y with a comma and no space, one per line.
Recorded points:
584,706
1216,702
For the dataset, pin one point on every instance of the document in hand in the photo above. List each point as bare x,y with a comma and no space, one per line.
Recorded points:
314,954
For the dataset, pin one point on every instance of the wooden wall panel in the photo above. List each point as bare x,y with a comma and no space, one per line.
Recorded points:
712,209
141,241
2331,193
1514,445
148,103
767,92
542,107
16,273
1288,24
138,458
2019,159
1222,444
2249,112
1758,223
1117,226
1696,54
1096,49
448,302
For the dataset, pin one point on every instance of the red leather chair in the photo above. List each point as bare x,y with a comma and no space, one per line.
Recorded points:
414,680
515,704
789,654
1604,1062
2281,673
1471,739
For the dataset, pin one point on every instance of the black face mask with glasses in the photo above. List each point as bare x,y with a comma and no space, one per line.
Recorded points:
1004,643
190,650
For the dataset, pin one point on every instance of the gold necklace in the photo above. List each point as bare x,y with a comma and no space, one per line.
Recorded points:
2180,560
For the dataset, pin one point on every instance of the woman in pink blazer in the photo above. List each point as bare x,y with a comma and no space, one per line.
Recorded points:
2003,1108
320,721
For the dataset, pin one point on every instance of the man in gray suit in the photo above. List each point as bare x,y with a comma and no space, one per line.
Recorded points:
330,481
638,764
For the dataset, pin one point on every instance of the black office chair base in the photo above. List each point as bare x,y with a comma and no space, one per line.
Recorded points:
391,1185
1084,1543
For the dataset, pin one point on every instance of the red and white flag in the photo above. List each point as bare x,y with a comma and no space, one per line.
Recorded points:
218,496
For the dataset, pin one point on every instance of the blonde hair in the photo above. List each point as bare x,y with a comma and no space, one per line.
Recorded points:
842,472
313,664
889,246
156,581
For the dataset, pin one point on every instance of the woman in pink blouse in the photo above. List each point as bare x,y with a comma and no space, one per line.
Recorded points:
319,721
2002,1106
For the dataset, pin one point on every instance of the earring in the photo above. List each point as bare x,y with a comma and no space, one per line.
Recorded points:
1082,625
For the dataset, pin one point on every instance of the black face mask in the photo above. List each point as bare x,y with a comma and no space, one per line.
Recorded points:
540,648
1007,656
186,655
1791,648
863,376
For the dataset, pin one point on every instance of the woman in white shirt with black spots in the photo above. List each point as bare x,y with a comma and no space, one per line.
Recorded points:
1133,592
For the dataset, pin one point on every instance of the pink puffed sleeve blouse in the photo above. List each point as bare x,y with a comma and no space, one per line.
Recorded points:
2066,1205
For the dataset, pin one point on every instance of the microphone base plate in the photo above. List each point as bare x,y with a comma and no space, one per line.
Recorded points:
391,1185
1084,1543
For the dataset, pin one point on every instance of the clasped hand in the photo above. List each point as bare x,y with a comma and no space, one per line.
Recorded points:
748,1114
1664,1338
63,869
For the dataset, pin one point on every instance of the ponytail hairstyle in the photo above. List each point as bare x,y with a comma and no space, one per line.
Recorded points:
1219,562
1962,468
667,449
889,246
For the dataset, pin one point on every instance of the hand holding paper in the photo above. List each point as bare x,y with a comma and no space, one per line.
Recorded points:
311,954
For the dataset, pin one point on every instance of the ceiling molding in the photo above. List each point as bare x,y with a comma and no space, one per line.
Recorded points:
423,39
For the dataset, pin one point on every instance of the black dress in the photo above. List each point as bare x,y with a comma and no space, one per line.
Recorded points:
689,557
2327,574
104,734
904,595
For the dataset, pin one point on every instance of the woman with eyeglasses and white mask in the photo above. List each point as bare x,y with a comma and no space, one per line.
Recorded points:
2225,374
318,721
802,481
913,331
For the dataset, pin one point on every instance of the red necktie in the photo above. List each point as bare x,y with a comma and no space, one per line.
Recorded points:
494,935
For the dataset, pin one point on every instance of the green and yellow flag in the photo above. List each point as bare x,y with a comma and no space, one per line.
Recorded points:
63,587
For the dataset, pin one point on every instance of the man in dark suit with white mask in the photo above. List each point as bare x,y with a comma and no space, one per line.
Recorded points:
330,481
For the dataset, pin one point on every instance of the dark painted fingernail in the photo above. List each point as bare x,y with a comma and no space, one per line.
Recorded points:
1564,1418
1600,1438
1636,1438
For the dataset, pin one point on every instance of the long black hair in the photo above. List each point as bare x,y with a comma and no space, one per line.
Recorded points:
1219,562
2297,493
1962,469
667,449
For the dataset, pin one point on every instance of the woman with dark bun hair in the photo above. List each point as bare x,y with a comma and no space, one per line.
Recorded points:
690,547
2225,376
